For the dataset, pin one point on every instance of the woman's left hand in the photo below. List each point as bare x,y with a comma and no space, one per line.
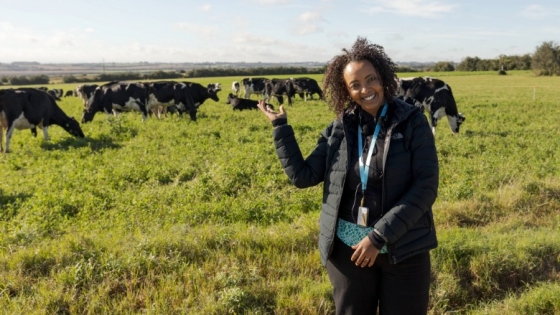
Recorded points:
364,253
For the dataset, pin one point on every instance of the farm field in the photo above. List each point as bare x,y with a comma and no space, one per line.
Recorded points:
172,216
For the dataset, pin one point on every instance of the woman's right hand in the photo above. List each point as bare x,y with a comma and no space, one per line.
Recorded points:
270,113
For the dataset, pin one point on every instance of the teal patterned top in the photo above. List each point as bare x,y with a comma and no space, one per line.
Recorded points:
351,233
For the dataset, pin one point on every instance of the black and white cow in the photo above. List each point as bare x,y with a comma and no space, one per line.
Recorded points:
279,88
215,86
115,97
253,86
69,93
411,101
55,94
436,98
243,103
235,88
28,108
199,94
164,94
307,87
85,92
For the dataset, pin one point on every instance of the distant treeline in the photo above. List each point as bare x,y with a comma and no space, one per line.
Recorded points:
124,76
544,61
23,80
251,72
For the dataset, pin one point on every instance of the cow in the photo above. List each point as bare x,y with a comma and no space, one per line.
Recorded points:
278,88
115,97
235,88
411,101
28,108
253,86
69,93
57,93
54,93
164,94
243,103
85,92
307,87
215,86
436,98
198,94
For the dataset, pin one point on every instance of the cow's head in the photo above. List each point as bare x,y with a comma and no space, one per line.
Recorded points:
73,128
93,105
87,116
455,122
213,94
230,97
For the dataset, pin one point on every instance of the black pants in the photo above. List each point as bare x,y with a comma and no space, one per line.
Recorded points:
400,289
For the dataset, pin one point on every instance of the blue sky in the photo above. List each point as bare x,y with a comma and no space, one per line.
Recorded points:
59,31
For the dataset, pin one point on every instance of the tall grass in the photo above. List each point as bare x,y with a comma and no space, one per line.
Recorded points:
172,216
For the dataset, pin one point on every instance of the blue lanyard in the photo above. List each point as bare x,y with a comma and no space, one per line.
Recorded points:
364,170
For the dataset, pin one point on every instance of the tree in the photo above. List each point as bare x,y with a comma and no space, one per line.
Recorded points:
546,59
443,66
468,64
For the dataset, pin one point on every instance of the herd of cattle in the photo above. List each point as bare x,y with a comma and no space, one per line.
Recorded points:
29,108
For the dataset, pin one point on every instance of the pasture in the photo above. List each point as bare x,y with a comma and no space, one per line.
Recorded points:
172,216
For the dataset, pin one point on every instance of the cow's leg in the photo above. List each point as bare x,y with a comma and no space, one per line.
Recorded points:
1,138
46,133
433,122
9,137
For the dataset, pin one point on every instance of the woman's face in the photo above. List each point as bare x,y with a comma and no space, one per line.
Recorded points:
364,85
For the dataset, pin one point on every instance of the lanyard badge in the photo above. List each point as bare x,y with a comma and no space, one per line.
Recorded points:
364,168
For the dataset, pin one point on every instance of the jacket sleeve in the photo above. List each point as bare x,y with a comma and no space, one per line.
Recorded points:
422,192
302,172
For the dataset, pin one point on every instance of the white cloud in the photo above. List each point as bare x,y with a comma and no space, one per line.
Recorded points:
420,8
253,40
273,2
308,23
536,12
308,29
308,17
197,29
89,30
205,7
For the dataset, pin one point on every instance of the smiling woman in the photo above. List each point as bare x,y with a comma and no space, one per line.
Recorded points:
375,239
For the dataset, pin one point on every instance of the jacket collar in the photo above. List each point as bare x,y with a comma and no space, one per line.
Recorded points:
397,112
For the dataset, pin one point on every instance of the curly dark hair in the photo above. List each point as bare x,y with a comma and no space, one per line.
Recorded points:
335,90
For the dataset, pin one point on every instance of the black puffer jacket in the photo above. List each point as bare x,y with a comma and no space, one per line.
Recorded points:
410,179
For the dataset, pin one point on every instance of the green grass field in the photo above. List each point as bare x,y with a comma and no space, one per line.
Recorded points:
172,216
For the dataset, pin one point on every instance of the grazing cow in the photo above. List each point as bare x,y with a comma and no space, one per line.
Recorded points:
115,97
69,93
85,92
436,98
411,101
253,86
307,87
199,94
28,108
55,94
215,86
278,88
243,103
235,88
164,94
